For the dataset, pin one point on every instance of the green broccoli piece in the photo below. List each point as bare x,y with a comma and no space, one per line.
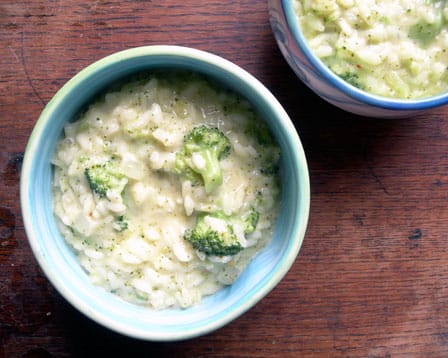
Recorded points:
205,237
250,220
424,32
198,160
260,132
214,233
120,224
269,153
270,165
106,177
353,79
269,160
269,169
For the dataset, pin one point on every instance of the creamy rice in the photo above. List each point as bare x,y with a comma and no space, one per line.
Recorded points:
132,243
392,48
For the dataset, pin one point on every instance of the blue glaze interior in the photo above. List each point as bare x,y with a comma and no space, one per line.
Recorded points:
59,262
343,86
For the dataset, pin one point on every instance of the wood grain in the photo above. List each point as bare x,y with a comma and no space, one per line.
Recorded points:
371,279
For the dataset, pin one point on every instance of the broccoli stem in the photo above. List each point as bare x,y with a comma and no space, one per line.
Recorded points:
211,173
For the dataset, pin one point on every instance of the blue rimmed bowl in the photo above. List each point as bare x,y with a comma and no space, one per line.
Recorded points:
58,261
320,79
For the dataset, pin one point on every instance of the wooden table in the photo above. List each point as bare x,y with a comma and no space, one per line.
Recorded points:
371,279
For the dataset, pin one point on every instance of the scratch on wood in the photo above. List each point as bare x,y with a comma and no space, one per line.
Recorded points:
359,218
414,238
14,54
375,176
10,175
23,62
416,234
377,179
7,226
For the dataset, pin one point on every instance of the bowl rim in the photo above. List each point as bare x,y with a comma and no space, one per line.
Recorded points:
222,65
357,94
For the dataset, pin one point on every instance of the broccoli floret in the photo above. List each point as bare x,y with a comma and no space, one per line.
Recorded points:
106,177
215,233
198,160
211,240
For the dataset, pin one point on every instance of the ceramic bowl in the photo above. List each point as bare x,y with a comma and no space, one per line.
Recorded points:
320,79
58,261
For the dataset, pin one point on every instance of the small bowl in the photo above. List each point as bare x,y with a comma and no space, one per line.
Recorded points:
58,261
320,79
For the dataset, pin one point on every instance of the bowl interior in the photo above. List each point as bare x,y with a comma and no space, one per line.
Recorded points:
362,96
59,262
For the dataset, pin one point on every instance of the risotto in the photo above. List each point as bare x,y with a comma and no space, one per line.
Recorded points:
129,209
392,48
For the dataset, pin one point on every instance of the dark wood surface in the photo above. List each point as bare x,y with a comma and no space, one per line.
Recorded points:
371,279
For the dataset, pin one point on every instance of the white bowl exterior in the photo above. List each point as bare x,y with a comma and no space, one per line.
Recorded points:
315,79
